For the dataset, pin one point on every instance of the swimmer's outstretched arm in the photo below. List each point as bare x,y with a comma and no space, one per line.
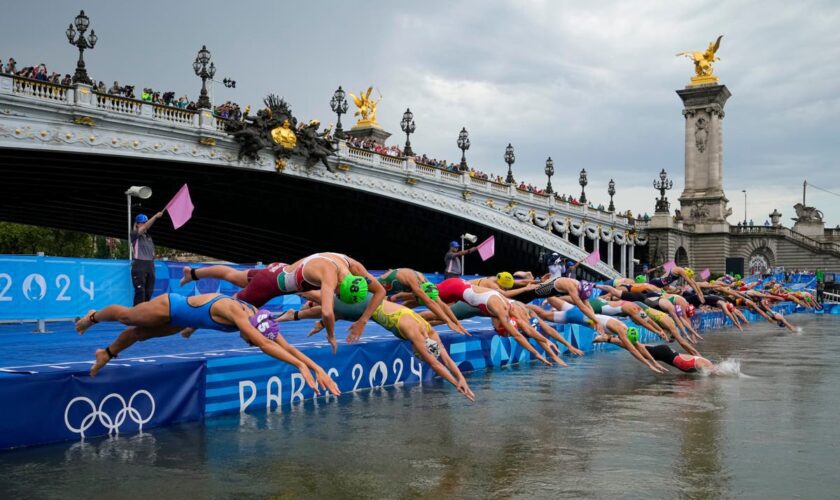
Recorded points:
448,370
435,306
449,314
553,333
320,374
358,327
586,309
550,349
611,291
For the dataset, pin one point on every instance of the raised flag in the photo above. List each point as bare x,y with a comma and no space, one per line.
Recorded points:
705,273
180,207
487,248
594,258
669,265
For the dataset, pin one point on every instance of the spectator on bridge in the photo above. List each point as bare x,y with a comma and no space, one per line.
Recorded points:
766,223
146,95
11,66
453,261
143,261
66,81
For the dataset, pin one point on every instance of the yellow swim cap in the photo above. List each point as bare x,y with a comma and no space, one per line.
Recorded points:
505,280
689,272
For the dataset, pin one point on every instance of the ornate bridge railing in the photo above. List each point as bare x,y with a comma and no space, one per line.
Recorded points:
819,246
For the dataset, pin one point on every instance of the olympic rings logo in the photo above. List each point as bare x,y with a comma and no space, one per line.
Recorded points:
112,424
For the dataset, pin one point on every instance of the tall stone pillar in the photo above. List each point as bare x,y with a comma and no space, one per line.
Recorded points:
623,250
703,201
610,246
630,265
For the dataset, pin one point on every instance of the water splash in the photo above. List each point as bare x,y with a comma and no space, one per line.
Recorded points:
726,368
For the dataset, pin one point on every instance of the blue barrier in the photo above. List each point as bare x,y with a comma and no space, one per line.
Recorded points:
61,406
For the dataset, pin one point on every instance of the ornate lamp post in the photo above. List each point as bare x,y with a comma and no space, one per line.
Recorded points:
583,181
338,104
82,22
510,158
663,184
204,72
407,126
611,192
549,171
463,145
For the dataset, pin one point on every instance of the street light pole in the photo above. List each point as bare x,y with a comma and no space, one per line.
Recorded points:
745,206
583,181
611,192
463,145
82,22
204,72
338,104
510,158
549,171
407,125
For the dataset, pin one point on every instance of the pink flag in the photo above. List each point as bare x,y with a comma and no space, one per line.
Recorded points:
487,248
705,273
594,258
180,207
669,265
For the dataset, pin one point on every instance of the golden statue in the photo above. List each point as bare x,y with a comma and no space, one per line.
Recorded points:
704,73
367,108
284,136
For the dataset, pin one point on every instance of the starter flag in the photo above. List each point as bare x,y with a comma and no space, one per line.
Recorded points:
669,265
704,274
487,248
594,258
180,207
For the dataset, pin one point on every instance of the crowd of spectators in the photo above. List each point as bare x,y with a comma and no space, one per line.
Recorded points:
40,73
369,145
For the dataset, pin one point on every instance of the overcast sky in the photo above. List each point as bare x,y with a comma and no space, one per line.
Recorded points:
590,86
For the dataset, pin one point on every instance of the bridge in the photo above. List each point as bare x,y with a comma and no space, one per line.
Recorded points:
68,153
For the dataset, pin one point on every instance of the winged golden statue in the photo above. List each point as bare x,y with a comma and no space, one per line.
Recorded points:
703,61
367,108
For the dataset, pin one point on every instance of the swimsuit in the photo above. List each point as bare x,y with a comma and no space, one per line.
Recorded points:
262,285
603,307
294,281
388,321
392,285
452,290
182,313
664,280
664,353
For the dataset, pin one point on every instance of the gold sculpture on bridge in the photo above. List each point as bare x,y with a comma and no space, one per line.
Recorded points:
703,61
367,108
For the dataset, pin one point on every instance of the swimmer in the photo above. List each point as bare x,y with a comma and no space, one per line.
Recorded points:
620,308
668,325
577,291
570,314
675,274
505,284
406,325
413,287
663,353
321,271
169,313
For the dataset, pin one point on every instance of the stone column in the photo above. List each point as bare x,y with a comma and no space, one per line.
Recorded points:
610,246
630,266
703,202
623,259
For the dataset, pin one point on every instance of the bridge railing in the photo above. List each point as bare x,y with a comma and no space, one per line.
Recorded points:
825,246
40,89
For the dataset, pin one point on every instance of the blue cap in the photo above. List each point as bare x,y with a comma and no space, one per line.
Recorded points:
141,218
454,244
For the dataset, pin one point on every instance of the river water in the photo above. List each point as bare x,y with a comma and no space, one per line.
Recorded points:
602,428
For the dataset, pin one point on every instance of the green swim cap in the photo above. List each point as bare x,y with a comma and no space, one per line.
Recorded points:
353,289
641,278
431,290
632,334
737,276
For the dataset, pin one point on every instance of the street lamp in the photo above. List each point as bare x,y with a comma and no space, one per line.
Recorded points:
231,84
82,22
611,192
510,158
583,181
549,171
204,72
142,192
662,185
407,126
745,206
463,145
338,104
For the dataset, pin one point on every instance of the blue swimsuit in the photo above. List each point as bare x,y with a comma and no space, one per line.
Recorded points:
181,313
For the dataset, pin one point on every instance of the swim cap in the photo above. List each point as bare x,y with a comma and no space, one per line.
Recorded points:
737,276
353,289
690,311
679,310
262,321
584,289
432,347
617,282
141,218
730,307
641,278
632,334
689,272
505,280
431,290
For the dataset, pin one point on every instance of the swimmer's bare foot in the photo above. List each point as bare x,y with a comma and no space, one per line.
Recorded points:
287,316
317,327
83,323
102,359
187,275
187,332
